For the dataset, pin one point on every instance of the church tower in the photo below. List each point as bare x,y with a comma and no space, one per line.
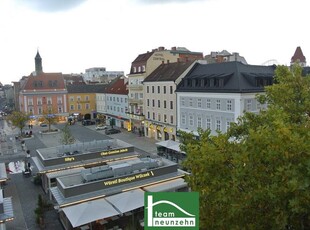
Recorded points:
38,63
299,57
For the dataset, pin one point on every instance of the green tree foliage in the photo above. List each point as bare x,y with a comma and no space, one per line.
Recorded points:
49,117
66,137
257,175
19,119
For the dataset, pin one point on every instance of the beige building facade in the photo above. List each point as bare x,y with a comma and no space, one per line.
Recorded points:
141,67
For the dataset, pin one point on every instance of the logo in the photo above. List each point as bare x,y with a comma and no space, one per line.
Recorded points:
171,210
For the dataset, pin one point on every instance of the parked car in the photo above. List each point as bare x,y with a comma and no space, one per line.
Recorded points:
88,122
43,125
101,127
112,131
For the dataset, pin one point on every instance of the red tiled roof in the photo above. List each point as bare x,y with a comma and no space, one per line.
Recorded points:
298,55
45,81
118,87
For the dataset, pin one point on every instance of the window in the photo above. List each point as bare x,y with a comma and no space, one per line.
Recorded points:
122,110
229,105
165,104
199,103
249,105
208,123
171,89
59,100
199,122
190,102
148,102
153,116
171,104
30,102
147,89
182,101
71,107
86,98
183,119
125,100
59,110
148,115
141,95
158,103
153,89
218,104
153,103
121,100
171,119
209,103
117,109
79,107
218,124
158,115
143,68
227,125
139,69
87,106
78,98
165,118
39,110
158,89
191,120
165,89
117,99
49,100
134,69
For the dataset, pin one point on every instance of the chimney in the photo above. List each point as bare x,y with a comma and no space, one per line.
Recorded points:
161,48
174,48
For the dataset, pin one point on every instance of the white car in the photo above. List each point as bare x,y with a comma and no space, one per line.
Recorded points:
101,127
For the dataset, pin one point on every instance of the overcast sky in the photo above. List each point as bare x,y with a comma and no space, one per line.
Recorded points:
73,35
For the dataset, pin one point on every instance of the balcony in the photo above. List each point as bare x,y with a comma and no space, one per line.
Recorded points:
139,117
135,87
135,101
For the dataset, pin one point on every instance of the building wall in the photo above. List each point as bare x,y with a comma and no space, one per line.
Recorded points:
82,103
36,103
213,110
116,110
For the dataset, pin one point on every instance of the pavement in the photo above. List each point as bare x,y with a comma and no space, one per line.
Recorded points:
24,192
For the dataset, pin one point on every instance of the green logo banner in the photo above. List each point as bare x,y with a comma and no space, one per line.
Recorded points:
171,210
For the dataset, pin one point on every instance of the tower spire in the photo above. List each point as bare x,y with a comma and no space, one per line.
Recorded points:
38,63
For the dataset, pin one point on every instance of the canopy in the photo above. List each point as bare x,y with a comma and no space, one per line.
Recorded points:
127,201
169,144
90,211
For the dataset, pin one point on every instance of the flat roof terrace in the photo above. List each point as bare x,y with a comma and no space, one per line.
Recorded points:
114,178
83,153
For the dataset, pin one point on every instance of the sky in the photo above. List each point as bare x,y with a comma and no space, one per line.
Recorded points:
73,35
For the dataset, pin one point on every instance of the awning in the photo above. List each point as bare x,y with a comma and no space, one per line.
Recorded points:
88,212
167,186
127,201
169,144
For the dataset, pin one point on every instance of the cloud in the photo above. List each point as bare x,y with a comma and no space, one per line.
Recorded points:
50,5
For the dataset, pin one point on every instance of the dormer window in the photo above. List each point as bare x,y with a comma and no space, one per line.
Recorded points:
134,69
143,68
139,69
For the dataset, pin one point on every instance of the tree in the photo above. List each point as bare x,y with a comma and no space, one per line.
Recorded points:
66,137
49,117
256,176
19,119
